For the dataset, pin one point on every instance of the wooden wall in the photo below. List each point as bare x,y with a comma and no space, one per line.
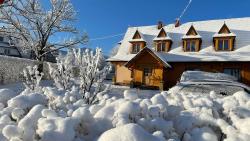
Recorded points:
122,74
172,75
147,61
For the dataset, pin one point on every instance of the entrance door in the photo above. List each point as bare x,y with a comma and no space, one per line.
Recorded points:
147,73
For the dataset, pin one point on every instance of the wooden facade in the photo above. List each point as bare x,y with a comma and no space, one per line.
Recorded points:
172,75
147,70
151,67
122,73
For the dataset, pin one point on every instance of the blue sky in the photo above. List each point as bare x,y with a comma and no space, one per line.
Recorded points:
108,17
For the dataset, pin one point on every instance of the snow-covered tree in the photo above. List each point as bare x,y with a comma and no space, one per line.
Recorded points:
92,73
63,72
32,78
34,24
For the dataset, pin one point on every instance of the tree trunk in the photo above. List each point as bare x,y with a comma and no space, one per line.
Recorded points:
40,60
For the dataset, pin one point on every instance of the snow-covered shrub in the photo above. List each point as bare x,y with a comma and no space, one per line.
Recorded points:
64,115
27,101
129,132
5,95
92,73
63,72
32,78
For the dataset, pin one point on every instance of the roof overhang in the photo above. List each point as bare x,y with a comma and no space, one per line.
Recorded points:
156,56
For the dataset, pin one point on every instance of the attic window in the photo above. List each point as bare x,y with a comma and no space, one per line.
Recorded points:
136,47
161,47
162,41
192,40
190,46
224,39
223,44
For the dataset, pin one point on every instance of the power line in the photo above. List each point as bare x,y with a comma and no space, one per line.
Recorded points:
186,8
107,37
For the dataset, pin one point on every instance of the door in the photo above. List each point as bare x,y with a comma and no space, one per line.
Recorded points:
147,73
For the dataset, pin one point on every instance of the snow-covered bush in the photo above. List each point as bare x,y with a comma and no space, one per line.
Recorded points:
63,72
32,78
92,73
53,114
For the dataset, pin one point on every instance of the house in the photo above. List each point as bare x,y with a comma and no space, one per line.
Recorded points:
8,48
156,56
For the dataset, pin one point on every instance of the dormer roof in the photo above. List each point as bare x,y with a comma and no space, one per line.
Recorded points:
191,34
162,35
224,32
137,37
206,30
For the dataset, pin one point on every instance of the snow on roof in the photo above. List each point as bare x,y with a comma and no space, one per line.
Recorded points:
138,40
162,38
191,36
240,27
224,35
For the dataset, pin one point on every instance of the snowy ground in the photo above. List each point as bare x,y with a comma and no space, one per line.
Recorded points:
133,115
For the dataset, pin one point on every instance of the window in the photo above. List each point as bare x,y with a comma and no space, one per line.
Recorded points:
1,39
191,46
161,46
223,44
233,72
6,51
147,71
136,47
192,69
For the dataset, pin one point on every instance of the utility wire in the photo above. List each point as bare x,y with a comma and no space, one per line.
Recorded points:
121,34
184,11
107,37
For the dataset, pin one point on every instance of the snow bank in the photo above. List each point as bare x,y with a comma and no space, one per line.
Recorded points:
129,132
27,101
65,116
5,95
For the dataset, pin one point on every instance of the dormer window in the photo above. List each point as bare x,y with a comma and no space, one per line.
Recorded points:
223,44
161,47
224,39
136,47
162,41
191,41
138,42
191,45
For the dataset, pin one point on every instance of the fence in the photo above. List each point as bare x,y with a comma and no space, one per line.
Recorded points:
11,69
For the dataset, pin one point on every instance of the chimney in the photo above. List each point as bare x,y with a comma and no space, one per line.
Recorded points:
177,23
160,25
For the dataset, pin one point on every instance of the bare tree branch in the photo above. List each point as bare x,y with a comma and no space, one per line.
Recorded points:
35,26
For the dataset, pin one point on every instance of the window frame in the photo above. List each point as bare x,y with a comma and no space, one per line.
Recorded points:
233,71
161,47
148,71
136,47
1,39
7,51
190,45
223,41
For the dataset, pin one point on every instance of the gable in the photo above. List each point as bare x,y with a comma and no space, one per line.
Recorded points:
137,35
162,33
146,56
224,29
192,31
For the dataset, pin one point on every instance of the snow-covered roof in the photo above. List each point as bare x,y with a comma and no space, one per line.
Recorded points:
240,27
